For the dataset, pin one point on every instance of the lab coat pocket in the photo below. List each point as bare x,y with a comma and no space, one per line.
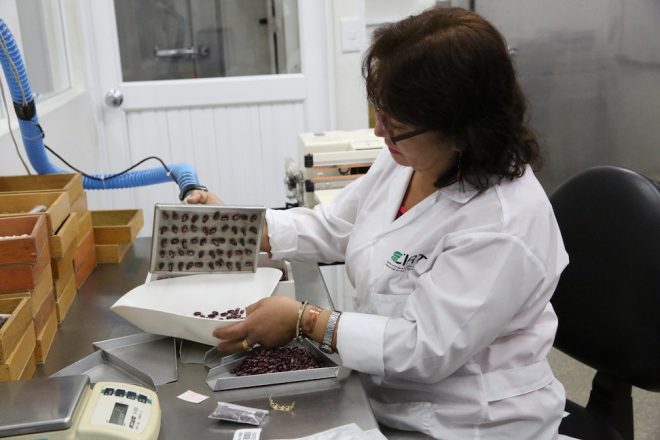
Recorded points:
389,295
503,384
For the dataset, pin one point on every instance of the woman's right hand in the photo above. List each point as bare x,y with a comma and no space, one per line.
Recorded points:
199,197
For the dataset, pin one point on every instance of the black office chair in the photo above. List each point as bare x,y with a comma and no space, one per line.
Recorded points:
608,298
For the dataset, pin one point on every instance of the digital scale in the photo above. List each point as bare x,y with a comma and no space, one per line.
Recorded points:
67,407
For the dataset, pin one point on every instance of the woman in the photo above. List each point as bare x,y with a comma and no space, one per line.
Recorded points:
449,240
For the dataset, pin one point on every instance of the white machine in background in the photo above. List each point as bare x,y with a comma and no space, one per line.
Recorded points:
331,160
62,408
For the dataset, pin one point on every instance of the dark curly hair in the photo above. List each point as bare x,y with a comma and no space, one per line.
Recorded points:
448,69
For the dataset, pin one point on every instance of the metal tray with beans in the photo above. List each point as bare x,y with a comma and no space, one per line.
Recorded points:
295,362
189,239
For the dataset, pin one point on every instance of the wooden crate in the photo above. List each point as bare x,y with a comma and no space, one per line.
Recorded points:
57,204
21,358
14,328
22,249
85,226
38,295
47,308
30,367
79,204
46,337
62,267
64,238
21,277
63,303
84,260
111,253
117,226
72,184
62,283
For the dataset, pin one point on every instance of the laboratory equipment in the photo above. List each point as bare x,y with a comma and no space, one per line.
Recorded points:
331,160
67,407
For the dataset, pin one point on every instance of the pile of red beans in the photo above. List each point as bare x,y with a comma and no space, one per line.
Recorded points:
264,360
237,313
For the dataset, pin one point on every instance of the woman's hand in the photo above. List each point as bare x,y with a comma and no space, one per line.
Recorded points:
270,322
199,197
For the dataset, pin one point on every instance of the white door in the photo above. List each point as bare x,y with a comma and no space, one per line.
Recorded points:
226,88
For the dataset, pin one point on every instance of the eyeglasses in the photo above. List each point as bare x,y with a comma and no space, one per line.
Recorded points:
384,121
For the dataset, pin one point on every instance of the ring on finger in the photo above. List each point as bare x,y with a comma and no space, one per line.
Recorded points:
246,346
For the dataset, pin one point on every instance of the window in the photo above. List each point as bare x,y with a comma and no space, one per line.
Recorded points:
44,49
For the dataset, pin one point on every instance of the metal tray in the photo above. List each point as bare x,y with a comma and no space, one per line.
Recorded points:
193,239
220,377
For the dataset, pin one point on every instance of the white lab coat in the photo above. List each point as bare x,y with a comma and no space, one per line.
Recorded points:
454,324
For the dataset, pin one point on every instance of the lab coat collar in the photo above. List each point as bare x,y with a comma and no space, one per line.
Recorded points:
459,193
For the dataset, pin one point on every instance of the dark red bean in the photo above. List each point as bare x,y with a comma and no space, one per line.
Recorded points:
215,242
248,252
175,216
184,229
211,265
233,242
230,253
213,230
234,229
190,252
171,253
241,240
184,243
205,230
165,215
224,217
244,217
220,252
174,240
162,253
194,218
197,314
184,217
243,230
238,252
163,229
220,263
180,266
161,265
249,264
193,228
222,240
235,217
203,241
175,229
181,252
163,242
199,264
216,215
205,218
238,266
212,254
230,265
200,254
253,218
224,228
189,265
170,266
253,229
194,240
252,241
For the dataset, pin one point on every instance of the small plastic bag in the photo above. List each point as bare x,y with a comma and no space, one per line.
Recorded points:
238,413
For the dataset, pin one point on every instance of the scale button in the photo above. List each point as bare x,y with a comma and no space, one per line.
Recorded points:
142,398
108,391
120,393
131,395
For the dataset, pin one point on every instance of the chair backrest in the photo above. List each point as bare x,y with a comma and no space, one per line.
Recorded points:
608,298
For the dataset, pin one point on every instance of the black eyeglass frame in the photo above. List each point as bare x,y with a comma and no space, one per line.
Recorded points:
400,137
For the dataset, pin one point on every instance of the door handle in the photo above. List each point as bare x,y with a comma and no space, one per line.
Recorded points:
114,98
180,52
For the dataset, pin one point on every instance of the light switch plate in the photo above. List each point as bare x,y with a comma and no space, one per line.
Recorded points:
352,34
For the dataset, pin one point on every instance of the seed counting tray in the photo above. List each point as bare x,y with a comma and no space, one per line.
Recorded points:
189,239
221,378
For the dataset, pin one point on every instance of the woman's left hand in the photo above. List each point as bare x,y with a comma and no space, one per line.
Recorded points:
270,322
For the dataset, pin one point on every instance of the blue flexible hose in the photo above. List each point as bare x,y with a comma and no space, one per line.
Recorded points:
21,94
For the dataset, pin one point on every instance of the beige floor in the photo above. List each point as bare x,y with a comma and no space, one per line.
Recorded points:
577,378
